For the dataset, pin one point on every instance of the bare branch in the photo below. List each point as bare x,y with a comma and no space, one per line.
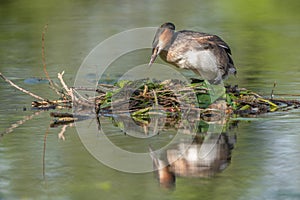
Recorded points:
69,91
44,62
21,89
43,55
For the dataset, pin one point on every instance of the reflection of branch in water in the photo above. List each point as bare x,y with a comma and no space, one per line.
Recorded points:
138,127
97,112
62,131
19,123
60,136
62,119
66,118
44,153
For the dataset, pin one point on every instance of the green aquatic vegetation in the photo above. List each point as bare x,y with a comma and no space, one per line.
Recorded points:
174,96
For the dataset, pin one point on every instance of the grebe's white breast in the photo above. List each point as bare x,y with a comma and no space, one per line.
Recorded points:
203,62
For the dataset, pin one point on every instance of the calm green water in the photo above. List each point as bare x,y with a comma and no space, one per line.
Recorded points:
264,37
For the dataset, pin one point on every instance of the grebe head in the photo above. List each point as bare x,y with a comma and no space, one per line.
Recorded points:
162,39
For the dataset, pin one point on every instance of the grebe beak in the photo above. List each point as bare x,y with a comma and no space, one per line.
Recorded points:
155,53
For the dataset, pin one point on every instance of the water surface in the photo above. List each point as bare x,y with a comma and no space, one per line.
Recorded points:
264,37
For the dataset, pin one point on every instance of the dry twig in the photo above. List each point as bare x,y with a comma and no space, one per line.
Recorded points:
21,89
43,55
69,91
44,61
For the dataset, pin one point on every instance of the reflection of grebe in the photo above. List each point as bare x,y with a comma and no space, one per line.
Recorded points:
164,175
199,159
205,54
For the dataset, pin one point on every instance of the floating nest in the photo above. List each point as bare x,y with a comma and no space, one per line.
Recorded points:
144,98
174,96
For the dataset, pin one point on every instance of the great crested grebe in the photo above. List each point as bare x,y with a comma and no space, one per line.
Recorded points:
205,54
